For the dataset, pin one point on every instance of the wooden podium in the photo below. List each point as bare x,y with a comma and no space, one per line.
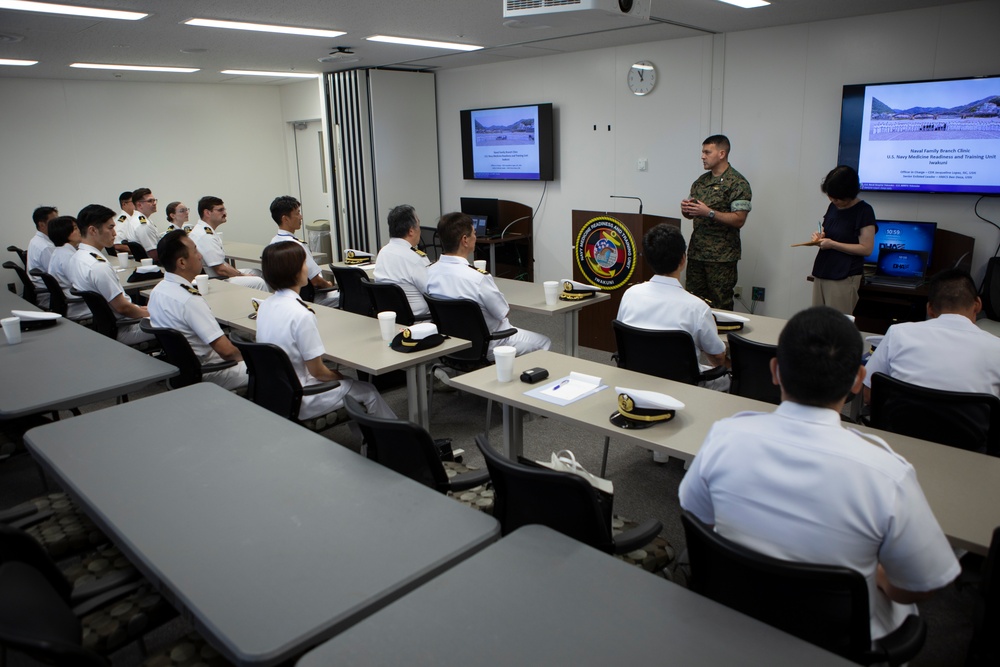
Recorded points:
595,321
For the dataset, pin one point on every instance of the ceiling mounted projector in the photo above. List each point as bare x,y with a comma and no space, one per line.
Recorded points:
557,13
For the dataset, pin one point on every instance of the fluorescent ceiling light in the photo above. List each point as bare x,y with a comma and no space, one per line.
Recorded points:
747,4
409,41
70,10
17,63
261,27
247,72
135,68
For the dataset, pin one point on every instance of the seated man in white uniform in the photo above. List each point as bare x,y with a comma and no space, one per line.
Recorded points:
213,214
401,262
286,211
175,303
796,484
452,277
40,250
663,304
66,237
947,350
289,322
140,228
90,270
121,222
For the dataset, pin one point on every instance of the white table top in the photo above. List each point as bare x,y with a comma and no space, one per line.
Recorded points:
251,252
986,324
530,298
66,366
537,597
963,488
269,537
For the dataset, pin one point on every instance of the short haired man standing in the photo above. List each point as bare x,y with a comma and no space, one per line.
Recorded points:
175,303
90,270
40,249
947,350
795,484
401,262
286,211
212,212
452,277
718,205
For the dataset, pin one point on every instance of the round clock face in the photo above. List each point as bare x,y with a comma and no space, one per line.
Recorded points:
642,77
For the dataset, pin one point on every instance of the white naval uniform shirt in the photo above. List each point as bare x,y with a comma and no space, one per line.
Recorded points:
175,304
40,249
121,227
948,352
663,304
283,236
90,270
453,277
59,269
795,484
144,232
400,263
209,245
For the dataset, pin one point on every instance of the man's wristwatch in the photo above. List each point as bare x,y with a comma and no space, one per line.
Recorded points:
711,214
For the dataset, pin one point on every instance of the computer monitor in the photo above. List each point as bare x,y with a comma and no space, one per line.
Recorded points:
903,235
486,208
479,223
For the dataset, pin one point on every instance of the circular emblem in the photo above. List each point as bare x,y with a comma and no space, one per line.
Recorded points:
625,403
605,253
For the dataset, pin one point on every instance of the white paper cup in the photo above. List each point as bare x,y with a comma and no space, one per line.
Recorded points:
12,329
480,264
551,288
123,260
504,355
387,323
146,262
850,317
202,282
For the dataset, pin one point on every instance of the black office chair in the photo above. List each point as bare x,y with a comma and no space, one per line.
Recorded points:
353,297
822,604
137,251
531,494
21,254
178,352
751,371
984,649
409,450
964,420
430,243
28,293
390,296
104,319
57,300
275,386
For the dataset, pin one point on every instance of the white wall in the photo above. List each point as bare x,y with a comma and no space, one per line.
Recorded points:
777,93
69,143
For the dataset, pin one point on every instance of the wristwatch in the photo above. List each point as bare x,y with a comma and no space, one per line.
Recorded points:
711,215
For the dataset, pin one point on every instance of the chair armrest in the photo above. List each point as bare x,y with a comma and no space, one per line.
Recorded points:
324,290
903,644
505,333
320,388
639,536
217,366
36,272
713,374
128,321
467,480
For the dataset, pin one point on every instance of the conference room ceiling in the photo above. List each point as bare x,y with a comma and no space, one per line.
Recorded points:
163,39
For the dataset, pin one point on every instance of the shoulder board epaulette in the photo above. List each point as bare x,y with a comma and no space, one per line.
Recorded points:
122,218
418,251
209,230
192,290
99,257
142,220
306,306
482,271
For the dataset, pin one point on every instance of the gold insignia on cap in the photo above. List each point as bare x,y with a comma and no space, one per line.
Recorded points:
625,403
407,339
567,286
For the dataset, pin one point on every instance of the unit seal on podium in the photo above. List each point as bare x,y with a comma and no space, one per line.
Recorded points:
605,252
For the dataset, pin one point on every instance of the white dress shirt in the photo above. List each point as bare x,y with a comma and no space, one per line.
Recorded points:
400,263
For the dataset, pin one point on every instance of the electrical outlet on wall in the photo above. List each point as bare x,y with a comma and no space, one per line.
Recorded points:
738,292
758,293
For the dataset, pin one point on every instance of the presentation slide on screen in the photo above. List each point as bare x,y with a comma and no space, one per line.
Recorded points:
936,135
505,143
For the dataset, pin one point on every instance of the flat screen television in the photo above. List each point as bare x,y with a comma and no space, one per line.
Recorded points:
924,136
903,235
508,143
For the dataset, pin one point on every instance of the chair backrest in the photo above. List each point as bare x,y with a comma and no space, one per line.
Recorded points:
401,446
751,371
822,604
273,383
136,250
57,299
21,254
178,352
668,354
104,320
964,420
353,297
430,243
390,296
461,318
28,294
985,646
560,500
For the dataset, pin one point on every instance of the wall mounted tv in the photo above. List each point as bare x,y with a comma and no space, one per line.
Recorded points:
508,143
924,136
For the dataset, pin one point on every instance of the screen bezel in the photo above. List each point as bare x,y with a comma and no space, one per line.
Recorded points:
546,155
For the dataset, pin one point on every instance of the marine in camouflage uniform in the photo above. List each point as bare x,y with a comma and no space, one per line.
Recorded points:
715,247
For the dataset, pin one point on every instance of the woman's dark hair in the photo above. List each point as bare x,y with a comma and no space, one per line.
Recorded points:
841,183
60,229
281,264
